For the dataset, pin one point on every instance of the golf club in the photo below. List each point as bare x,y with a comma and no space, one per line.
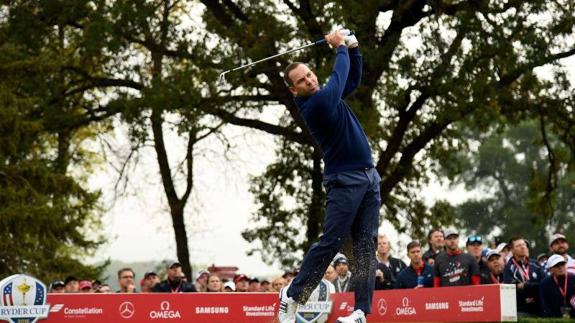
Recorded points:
222,78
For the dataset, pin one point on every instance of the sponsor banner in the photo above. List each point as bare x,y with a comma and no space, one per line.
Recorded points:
448,304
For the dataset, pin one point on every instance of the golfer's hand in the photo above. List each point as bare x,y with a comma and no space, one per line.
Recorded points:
349,38
335,39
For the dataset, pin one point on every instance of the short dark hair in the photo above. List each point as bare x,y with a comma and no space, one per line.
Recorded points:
432,231
413,244
126,269
287,70
516,238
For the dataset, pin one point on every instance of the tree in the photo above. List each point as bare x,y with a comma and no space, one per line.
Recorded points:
146,70
430,68
49,219
511,170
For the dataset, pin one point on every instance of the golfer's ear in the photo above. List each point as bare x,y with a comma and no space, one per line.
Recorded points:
293,90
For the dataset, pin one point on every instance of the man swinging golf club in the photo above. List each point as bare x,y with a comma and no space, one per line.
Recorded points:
351,182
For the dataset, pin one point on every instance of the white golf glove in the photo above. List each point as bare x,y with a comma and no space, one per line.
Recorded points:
350,39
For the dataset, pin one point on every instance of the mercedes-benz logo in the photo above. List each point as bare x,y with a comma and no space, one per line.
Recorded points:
127,310
381,306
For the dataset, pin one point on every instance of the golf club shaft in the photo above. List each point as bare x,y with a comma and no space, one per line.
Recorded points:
321,41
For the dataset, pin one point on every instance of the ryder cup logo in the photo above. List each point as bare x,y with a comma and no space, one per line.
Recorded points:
318,306
23,299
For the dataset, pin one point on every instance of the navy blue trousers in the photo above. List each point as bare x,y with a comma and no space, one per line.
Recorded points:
352,208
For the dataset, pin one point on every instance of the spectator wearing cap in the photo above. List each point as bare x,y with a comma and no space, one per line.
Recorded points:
278,284
388,267
149,281
288,275
557,291
436,242
474,246
526,275
229,287
495,264
126,280
103,289
452,267
542,260
505,250
265,286
202,280
343,281
57,286
559,245
85,286
242,283
214,284
254,285
174,283
418,274
71,284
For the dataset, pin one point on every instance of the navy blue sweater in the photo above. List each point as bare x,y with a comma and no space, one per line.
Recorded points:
407,278
331,121
551,298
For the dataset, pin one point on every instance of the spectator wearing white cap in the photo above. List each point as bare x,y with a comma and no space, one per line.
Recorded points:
229,287
526,275
495,264
559,245
557,291
452,267
201,282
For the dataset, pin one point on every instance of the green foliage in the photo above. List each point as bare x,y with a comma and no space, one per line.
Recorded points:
49,220
519,196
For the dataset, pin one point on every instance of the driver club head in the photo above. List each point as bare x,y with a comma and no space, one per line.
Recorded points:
222,79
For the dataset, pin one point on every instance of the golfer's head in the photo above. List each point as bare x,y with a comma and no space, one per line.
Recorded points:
300,79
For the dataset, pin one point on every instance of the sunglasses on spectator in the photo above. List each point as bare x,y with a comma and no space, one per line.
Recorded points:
473,239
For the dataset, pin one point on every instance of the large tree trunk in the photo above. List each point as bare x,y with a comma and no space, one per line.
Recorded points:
177,213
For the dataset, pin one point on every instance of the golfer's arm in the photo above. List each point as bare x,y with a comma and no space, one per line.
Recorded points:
329,96
355,70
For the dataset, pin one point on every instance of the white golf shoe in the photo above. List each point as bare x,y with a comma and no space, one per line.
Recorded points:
288,307
356,317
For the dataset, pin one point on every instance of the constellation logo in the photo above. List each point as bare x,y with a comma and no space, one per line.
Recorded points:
345,307
165,312
127,310
406,308
382,306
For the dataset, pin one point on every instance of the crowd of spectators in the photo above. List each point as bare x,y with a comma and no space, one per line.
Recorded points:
545,285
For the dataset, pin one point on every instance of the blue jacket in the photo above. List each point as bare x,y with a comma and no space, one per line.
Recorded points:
330,120
407,278
528,296
551,298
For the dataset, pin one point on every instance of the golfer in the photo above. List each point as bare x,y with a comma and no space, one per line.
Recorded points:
351,182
